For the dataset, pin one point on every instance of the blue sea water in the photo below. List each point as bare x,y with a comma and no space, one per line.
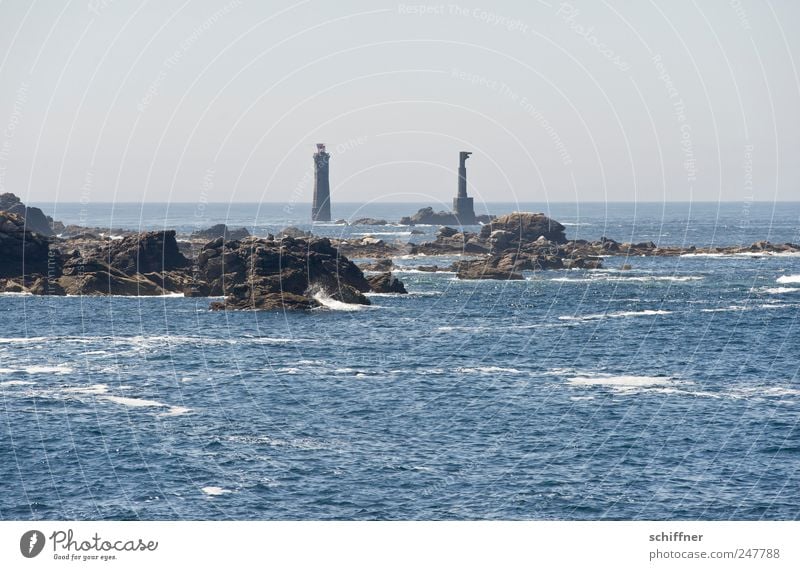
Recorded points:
668,391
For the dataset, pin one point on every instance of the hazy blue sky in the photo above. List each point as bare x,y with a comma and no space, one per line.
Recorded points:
224,100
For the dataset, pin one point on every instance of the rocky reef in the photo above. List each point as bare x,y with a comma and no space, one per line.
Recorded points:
251,273
294,270
427,216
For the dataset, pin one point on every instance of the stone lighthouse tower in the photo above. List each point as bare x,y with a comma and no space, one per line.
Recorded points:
462,204
321,208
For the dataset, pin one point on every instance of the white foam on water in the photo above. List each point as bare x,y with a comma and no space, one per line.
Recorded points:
598,277
788,279
335,305
8,370
288,370
382,233
621,314
488,370
60,369
744,254
16,294
401,270
621,383
93,389
726,309
175,411
17,383
580,398
213,491
781,290
23,339
134,402
276,340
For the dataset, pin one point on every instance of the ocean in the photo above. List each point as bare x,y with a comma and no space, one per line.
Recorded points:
669,391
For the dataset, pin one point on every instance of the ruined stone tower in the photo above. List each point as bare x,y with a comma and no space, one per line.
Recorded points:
321,208
463,207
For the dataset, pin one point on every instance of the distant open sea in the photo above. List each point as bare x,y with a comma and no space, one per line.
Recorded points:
668,391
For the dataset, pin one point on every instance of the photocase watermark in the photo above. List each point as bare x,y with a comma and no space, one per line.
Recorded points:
183,48
679,110
747,186
523,102
200,216
97,7
741,13
569,14
32,543
67,546
479,14
10,130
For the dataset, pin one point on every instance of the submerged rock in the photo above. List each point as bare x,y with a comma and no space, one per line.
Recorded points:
368,222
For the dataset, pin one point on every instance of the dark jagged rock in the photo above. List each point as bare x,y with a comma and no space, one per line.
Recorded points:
526,227
35,219
221,230
368,222
427,216
386,283
146,252
279,274
22,252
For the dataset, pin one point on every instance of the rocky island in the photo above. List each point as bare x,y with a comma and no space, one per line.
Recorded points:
295,270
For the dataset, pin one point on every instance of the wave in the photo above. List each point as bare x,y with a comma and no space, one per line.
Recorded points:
621,314
622,382
742,254
335,305
382,234
788,279
726,309
781,290
213,491
402,270
275,340
100,392
488,370
23,339
632,279
16,383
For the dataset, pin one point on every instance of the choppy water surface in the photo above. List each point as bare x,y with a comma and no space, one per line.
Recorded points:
669,391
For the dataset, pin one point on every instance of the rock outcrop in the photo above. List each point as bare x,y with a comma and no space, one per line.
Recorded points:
220,230
369,222
428,216
523,227
22,252
386,283
35,220
279,274
142,264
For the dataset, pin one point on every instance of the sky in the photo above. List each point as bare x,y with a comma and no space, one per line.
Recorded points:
221,101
